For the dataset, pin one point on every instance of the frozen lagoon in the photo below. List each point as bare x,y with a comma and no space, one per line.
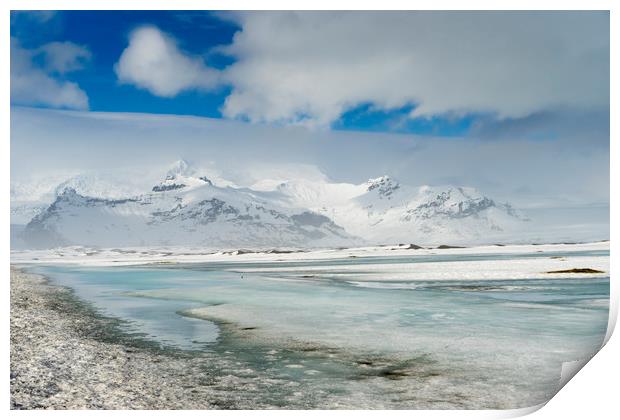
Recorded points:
458,328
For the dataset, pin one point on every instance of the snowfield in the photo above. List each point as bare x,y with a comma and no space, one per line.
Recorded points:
525,262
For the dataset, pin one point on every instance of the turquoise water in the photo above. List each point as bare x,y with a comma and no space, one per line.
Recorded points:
324,342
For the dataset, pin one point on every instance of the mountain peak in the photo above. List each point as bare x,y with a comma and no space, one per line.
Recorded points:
384,185
180,175
451,202
66,191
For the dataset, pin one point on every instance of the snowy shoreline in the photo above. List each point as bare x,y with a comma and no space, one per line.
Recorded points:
65,356
530,261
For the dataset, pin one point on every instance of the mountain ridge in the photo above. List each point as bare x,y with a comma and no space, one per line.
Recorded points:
187,208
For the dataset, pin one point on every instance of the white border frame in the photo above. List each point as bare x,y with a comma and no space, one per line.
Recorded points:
592,393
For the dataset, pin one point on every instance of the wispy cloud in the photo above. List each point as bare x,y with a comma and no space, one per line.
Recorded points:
33,83
64,57
560,172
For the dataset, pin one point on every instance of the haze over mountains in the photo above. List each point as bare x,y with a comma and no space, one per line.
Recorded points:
189,207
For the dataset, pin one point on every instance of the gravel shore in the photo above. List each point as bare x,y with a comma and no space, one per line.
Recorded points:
65,356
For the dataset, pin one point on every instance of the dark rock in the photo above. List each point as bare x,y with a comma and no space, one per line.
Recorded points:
577,270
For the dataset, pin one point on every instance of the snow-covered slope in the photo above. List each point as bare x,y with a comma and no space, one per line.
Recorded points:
189,208
24,212
384,211
29,199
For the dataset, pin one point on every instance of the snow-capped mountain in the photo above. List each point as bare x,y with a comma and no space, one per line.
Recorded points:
384,211
29,199
184,209
188,207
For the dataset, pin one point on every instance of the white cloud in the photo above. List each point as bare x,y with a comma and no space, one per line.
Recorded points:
153,61
33,85
64,57
313,66
557,173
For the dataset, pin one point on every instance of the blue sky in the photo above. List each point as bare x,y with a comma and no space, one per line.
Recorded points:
105,33
254,56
